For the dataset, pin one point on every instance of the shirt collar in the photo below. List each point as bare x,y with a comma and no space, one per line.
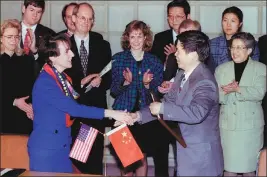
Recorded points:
174,34
24,27
188,73
86,39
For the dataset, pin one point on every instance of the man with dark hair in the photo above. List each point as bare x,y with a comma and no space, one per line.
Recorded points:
91,55
193,101
32,31
163,47
67,18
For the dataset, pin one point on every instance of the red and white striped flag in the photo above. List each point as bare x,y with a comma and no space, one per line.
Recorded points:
83,143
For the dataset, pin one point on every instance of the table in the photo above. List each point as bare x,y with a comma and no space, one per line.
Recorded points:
35,173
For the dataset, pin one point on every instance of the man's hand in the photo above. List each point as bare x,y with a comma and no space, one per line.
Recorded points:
96,81
32,44
165,87
169,49
88,78
155,108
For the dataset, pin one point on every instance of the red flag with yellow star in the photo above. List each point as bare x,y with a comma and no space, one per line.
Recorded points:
125,145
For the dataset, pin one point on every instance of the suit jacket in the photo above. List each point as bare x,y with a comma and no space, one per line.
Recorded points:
196,109
242,111
99,56
160,41
40,32
49,124
219,52
263,58
17,77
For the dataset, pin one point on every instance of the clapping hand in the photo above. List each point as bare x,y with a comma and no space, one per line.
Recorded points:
231,87
147,77
32,44
128,76
165,87
169,49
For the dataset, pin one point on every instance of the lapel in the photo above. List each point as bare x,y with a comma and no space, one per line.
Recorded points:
38,35
193,76
246,76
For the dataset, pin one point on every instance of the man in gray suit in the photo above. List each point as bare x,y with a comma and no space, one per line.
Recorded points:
193,102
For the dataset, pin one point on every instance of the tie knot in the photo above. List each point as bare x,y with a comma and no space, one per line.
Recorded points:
176,40
82,42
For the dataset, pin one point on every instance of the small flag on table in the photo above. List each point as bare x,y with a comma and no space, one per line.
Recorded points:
83,143
125,145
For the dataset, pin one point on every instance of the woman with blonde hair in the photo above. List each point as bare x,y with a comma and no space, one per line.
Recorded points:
17,79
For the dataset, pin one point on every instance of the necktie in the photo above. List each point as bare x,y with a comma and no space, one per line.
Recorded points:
182,79
83,56
176,40
26,44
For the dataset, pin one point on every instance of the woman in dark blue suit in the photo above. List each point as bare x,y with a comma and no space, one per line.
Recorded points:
53,104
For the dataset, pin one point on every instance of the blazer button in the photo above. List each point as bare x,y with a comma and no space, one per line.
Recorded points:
65,145
56,131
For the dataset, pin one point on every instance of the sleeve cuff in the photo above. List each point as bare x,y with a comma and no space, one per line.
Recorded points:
161,111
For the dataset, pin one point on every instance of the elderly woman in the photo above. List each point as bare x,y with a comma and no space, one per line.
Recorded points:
17,80
232,22
135,73
53,104
242,84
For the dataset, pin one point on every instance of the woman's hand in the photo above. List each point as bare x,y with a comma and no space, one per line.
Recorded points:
147,78
120,116
128,76
231,87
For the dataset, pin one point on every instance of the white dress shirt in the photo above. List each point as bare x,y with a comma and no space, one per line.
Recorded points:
78,43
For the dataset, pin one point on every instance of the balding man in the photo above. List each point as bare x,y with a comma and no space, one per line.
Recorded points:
92,54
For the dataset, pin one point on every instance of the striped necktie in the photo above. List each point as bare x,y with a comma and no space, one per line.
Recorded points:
27,41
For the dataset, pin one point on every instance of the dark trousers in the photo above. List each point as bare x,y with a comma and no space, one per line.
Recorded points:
94,163
159,146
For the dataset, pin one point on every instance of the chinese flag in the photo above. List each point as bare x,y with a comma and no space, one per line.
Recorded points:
125,145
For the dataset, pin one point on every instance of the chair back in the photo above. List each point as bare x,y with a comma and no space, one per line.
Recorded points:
14,153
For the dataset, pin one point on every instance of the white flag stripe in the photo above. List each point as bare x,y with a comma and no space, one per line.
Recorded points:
88,141
81,149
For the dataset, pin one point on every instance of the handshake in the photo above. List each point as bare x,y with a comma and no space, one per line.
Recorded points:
122,117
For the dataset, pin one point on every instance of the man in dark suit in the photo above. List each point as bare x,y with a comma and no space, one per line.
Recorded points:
163,47
262,43
92,54
67,18
33,31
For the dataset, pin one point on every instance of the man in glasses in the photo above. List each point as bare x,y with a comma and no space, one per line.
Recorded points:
91,55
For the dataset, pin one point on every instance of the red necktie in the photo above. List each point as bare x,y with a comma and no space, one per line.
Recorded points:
26,44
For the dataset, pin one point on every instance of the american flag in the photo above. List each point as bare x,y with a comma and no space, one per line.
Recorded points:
83,143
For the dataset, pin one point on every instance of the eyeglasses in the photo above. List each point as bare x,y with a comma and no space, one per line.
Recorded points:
238,48
177,17
16,37
84,19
